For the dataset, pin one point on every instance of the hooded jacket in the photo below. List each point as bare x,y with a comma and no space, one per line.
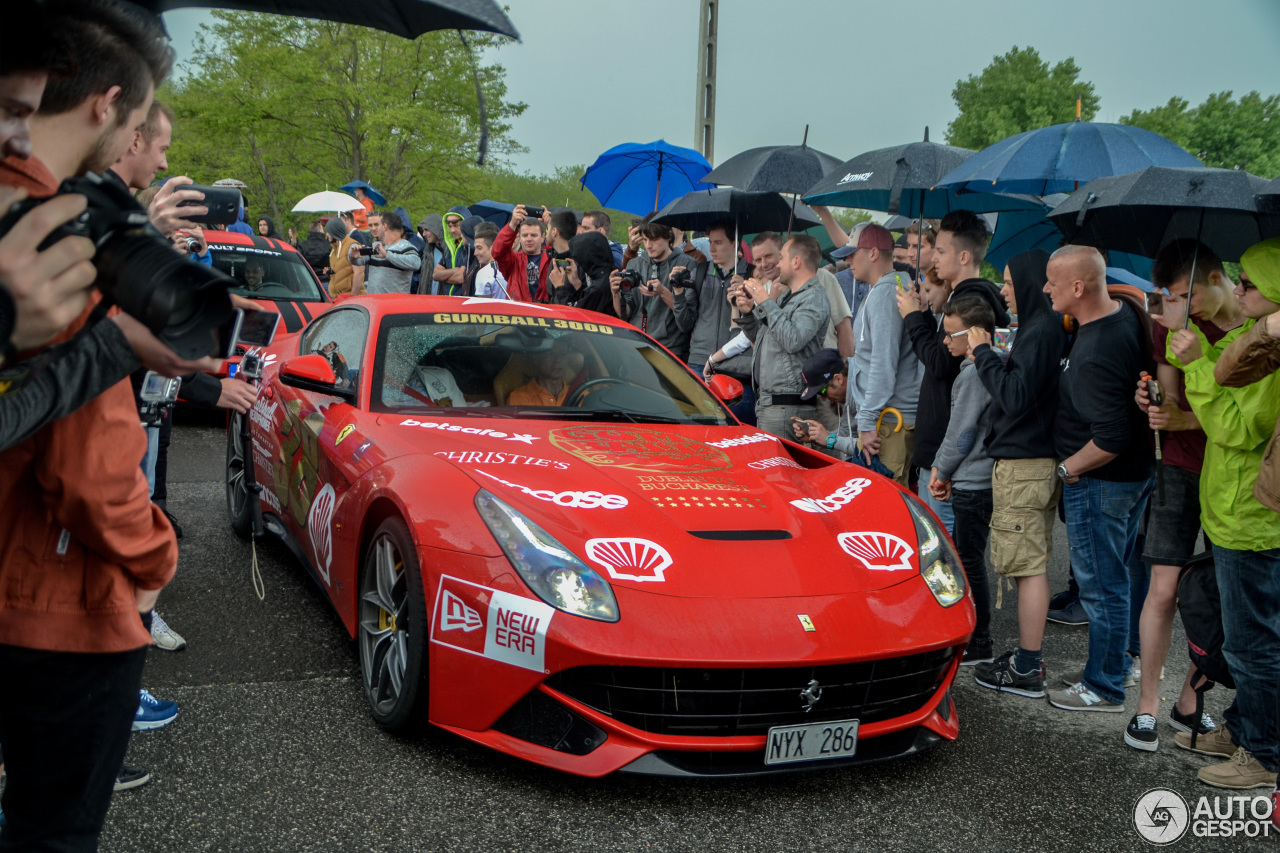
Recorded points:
1238,423
343,274
431,252
456,254
1251,358
885,371
411,234
315,250
271,227
591,253
941,367
1024,386
714,327
670,327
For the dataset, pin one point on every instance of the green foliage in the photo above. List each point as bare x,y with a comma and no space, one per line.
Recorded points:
1222,132
292,106
849,216
1017,92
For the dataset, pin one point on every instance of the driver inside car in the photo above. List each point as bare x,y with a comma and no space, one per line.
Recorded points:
254,274
549,387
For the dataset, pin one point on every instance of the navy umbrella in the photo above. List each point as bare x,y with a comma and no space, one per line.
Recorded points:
640,177
1059,158
497,212
750,212
407,18
1268,198
1019,231
378,198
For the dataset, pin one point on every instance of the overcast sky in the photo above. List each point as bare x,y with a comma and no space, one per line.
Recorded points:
863,75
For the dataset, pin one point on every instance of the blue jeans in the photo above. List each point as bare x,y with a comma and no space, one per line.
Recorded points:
1102,528
943,509
1139,582
149,460
1249,586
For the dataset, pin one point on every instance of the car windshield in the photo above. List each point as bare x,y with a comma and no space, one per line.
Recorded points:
269,274
500,365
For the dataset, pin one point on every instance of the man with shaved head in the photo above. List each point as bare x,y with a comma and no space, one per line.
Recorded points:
1106,464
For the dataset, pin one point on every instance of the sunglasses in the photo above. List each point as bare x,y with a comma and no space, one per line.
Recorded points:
958,334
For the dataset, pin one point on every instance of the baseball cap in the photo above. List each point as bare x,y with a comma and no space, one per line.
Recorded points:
901,242
818,370
865,236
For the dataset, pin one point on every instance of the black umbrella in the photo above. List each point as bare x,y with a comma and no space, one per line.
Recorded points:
407,18
1269,198
1144,210
751,213
774,169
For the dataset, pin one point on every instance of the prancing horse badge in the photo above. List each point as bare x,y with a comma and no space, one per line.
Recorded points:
806,622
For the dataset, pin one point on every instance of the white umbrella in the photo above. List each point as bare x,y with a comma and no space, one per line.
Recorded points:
327,202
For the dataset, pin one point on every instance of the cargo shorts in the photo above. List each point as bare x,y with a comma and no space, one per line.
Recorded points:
1024,498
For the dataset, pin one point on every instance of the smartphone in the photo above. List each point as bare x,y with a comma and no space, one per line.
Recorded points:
1155,302
223,204
534,211
258,328
366,251
1002,340
801,423
898,278
227,334
562,263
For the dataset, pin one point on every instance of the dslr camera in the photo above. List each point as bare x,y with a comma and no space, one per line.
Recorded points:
629,279
680,278
182,303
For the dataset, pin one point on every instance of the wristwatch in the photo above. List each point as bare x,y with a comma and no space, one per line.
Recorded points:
1062,471
831,441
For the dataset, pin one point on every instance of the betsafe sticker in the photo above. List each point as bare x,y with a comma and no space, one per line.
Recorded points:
515,628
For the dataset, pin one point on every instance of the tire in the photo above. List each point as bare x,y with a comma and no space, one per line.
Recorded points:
392,630
239,508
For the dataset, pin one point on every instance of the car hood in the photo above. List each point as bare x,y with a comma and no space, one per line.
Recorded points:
686,510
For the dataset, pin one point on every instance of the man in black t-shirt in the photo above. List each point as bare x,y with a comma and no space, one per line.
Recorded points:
1106,464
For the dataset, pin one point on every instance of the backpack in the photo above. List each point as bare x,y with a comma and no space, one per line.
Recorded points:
1201,610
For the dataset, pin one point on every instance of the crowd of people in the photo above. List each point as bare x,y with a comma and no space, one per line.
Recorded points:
1003,407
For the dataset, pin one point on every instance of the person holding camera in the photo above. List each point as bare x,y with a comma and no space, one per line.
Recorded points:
83,543
656,294
392,260
525,268
564,280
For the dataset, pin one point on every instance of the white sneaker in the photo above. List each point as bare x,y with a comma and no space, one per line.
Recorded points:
163,637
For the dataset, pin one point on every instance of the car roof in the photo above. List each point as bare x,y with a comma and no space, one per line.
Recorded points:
231,238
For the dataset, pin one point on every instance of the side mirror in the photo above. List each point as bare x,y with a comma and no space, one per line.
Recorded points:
728,389
313,373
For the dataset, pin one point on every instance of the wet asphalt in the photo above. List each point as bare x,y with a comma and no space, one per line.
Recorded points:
274,750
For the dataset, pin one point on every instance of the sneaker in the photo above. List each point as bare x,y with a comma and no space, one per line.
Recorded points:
1063,599
152,713
1183,722
163,637
1216,742
1078,697
1141,733
131,777
1001,676
177,528
977,653
1072,614
1238,772
1075,676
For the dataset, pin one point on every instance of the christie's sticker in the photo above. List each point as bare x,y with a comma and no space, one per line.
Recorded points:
480,457
514,628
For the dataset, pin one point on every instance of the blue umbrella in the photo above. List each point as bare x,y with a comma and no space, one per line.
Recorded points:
644,177
1118,275
497,212
1059,158
378,198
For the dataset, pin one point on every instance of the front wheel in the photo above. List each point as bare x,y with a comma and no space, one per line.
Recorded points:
239,506
393,629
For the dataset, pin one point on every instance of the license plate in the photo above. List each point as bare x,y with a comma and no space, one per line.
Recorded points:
811,742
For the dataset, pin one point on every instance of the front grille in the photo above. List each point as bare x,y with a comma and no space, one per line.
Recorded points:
729,702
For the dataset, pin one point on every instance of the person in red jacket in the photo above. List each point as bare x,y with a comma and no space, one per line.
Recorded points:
524,267
83,551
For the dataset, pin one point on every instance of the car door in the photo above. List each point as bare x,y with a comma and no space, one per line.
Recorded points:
314,467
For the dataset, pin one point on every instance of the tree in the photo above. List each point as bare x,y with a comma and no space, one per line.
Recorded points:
292,106
1222,132
1017,92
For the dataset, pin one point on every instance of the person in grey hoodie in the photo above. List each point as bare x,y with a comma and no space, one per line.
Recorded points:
785,330
885,373
961,472
431,229
664,312
393,262
717,316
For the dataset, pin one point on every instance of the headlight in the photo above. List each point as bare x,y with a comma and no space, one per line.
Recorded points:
939,563
551,570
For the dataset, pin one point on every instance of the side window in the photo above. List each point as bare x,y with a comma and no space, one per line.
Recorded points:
340,337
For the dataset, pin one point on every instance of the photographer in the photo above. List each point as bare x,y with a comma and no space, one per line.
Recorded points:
662,303
82,542
392,260
525,267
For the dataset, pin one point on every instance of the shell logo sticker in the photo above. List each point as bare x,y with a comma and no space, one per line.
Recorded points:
630,559
320,526
880,552
346,431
